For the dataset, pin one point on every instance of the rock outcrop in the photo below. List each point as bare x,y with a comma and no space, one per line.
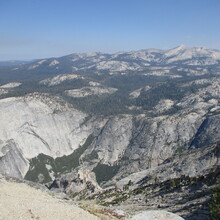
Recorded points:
35,125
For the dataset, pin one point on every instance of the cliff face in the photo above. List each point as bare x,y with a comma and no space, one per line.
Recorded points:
36,125
42,129
147,140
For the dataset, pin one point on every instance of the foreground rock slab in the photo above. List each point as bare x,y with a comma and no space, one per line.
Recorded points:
156,215
20,201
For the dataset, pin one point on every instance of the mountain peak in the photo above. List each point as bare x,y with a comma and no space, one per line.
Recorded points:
181,47
175,51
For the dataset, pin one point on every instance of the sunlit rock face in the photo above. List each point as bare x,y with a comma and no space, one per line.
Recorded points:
38,124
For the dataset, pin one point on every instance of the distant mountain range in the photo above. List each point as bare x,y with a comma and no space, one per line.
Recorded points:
145,61
131,61
14,62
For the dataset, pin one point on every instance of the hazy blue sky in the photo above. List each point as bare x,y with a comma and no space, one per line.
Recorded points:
44,28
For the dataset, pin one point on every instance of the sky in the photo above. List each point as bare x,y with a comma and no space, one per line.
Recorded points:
32,29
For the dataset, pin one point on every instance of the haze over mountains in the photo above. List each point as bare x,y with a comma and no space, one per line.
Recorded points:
122,61
149,116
